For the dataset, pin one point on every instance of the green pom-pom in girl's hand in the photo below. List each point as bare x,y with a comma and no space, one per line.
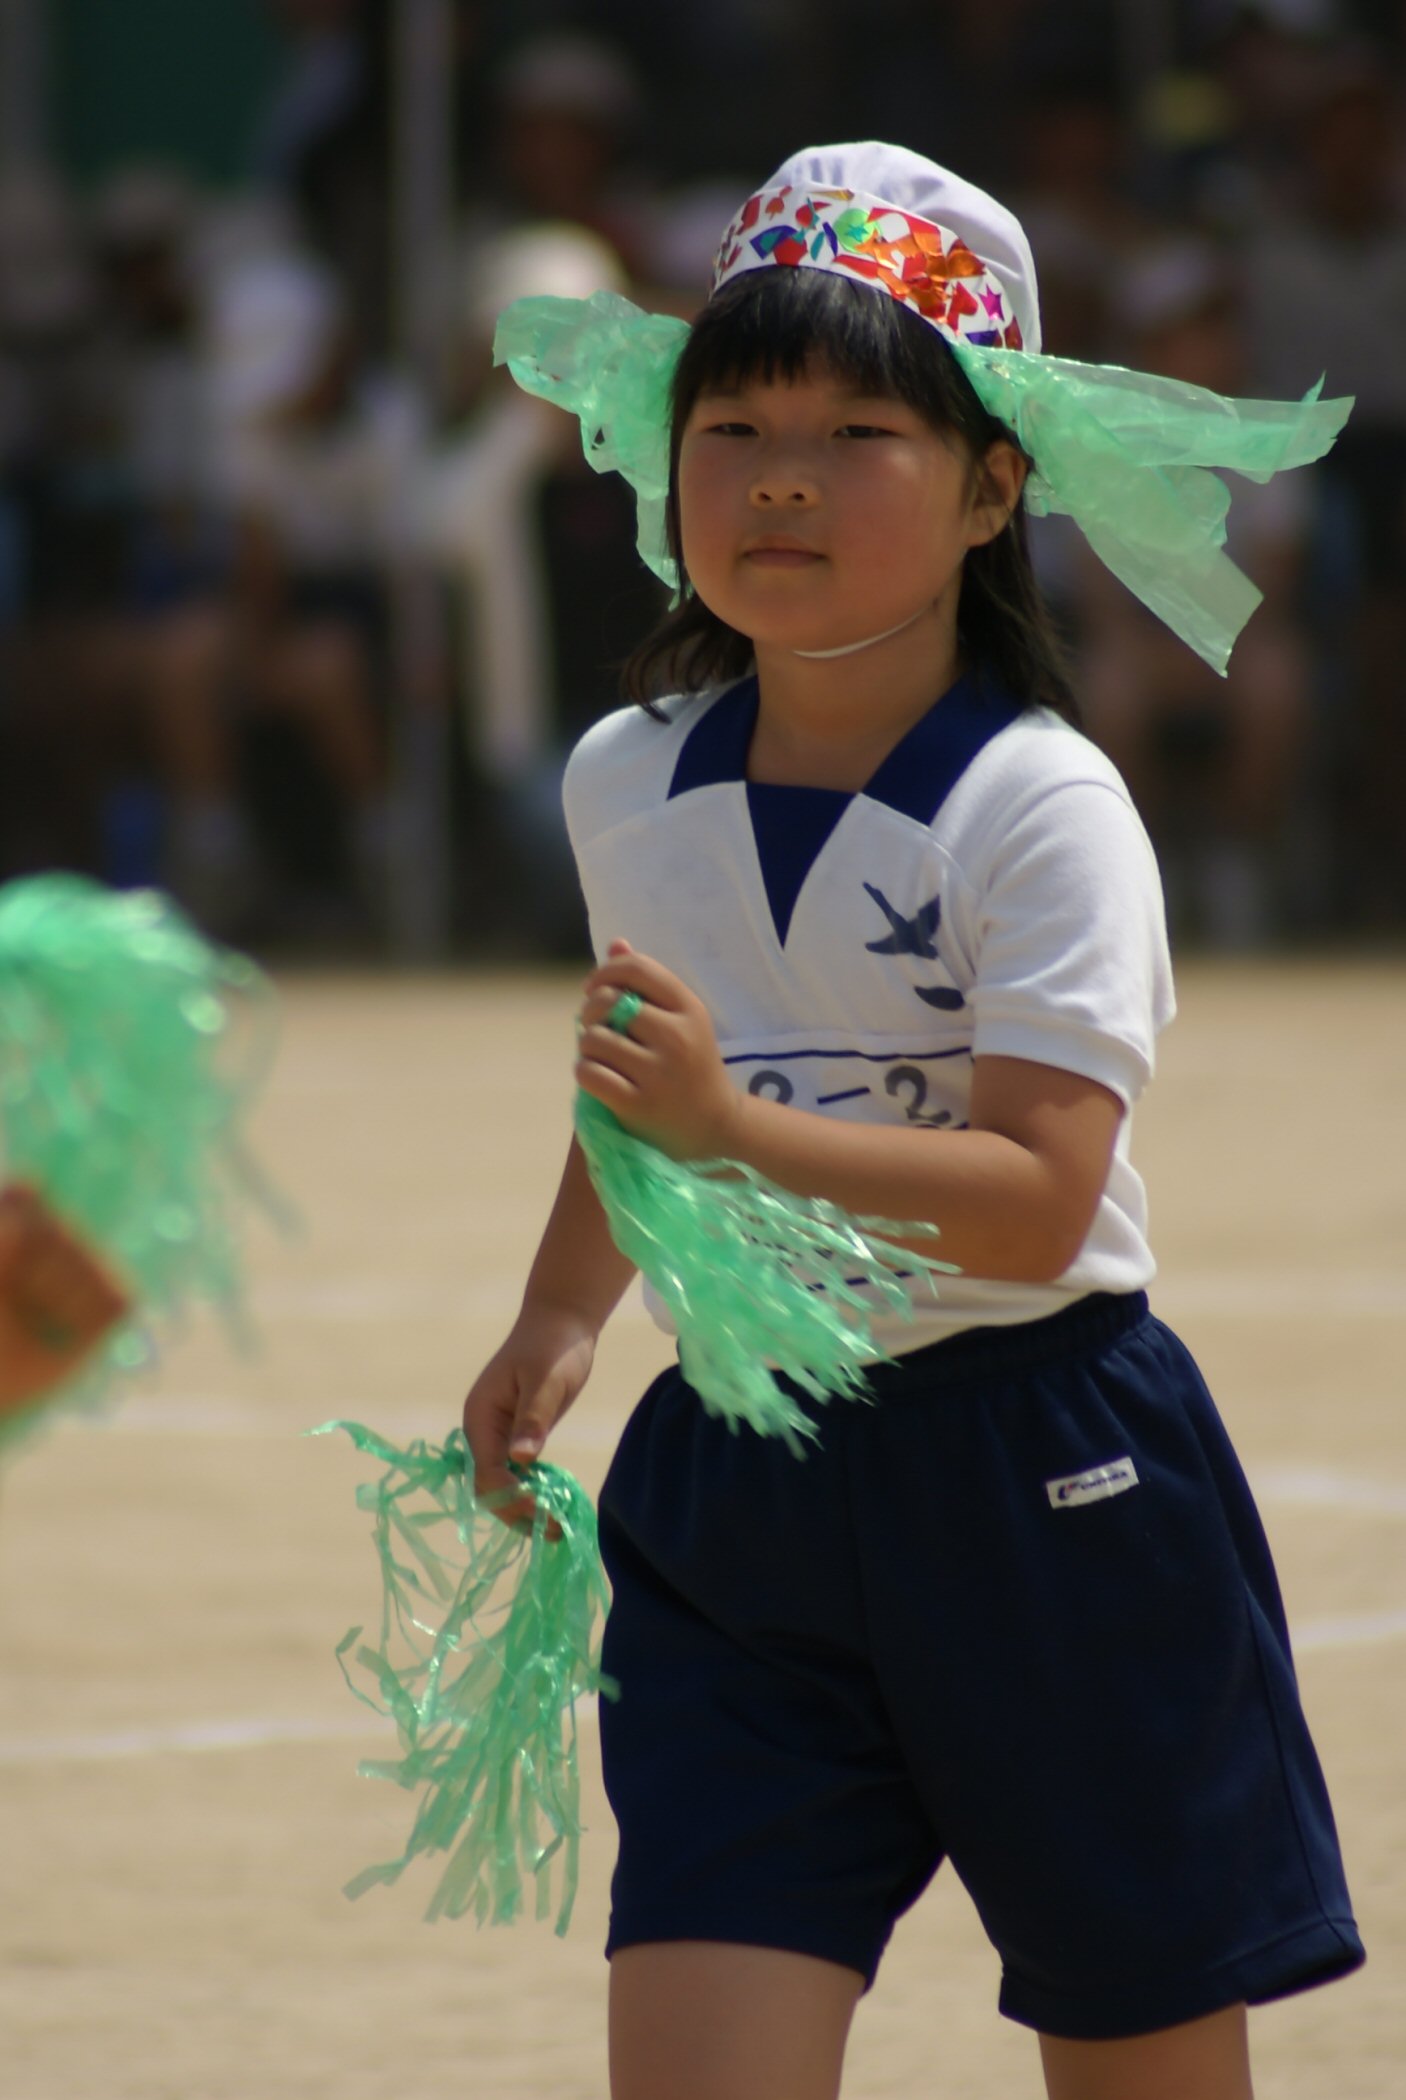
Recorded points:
489,1636
756,1280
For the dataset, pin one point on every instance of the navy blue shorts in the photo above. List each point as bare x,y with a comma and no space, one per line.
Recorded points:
1019,1613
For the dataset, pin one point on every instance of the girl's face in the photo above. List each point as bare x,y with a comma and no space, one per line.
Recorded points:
813,516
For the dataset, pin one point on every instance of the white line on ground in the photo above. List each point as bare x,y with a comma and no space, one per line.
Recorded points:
251,1734
1319,1487
1351,1630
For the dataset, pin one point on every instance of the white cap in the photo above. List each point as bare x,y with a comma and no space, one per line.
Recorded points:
270,325
550,257
921,188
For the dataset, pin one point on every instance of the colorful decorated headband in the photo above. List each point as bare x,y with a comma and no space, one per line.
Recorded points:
1125,454
926,267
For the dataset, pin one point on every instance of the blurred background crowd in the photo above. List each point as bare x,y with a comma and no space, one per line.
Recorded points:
302,604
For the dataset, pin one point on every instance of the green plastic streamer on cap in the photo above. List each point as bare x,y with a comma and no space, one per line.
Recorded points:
1125,454
612,365
756,1280
124,1072
489,1636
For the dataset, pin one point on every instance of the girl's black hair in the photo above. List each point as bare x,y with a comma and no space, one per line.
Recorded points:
771,324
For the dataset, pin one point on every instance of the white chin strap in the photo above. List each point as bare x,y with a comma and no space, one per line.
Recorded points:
817,656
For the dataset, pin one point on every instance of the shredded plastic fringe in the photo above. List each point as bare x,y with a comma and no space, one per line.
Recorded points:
129,1051
757,1281
489,1636
1125,454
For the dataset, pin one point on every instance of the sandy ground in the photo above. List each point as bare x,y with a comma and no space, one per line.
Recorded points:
178,1755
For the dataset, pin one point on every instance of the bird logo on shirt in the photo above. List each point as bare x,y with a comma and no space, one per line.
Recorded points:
915,936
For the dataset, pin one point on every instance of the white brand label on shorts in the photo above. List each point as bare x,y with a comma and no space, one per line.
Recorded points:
1094,1486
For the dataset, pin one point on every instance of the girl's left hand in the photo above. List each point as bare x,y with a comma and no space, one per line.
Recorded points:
665,1079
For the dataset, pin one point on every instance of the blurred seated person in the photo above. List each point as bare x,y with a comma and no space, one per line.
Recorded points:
567,106
1214,764
321,142
1077,203
1262,60
143,226
249,479
160,608
1346,224
311,464
477,501
65,521
551,596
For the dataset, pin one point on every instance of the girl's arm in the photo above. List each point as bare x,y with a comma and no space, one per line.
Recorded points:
1013,1196
577,1279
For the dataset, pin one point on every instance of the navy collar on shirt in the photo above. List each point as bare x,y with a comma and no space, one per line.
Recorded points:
790,824
915,779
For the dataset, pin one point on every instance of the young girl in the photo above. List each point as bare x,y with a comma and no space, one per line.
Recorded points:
895,938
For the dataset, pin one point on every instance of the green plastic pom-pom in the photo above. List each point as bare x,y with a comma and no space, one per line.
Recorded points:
756,1280
130,1048
489,1637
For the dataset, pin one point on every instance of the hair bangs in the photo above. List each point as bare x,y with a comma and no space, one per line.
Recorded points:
775,325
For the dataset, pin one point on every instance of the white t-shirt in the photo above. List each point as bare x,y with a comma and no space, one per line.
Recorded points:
991,891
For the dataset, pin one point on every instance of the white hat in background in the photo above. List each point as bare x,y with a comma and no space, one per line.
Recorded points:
269,325
552,257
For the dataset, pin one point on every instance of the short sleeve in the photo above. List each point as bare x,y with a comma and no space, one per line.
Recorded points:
1072,966
593,765
622,766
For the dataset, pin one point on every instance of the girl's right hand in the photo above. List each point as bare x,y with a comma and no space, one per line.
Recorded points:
518,1398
